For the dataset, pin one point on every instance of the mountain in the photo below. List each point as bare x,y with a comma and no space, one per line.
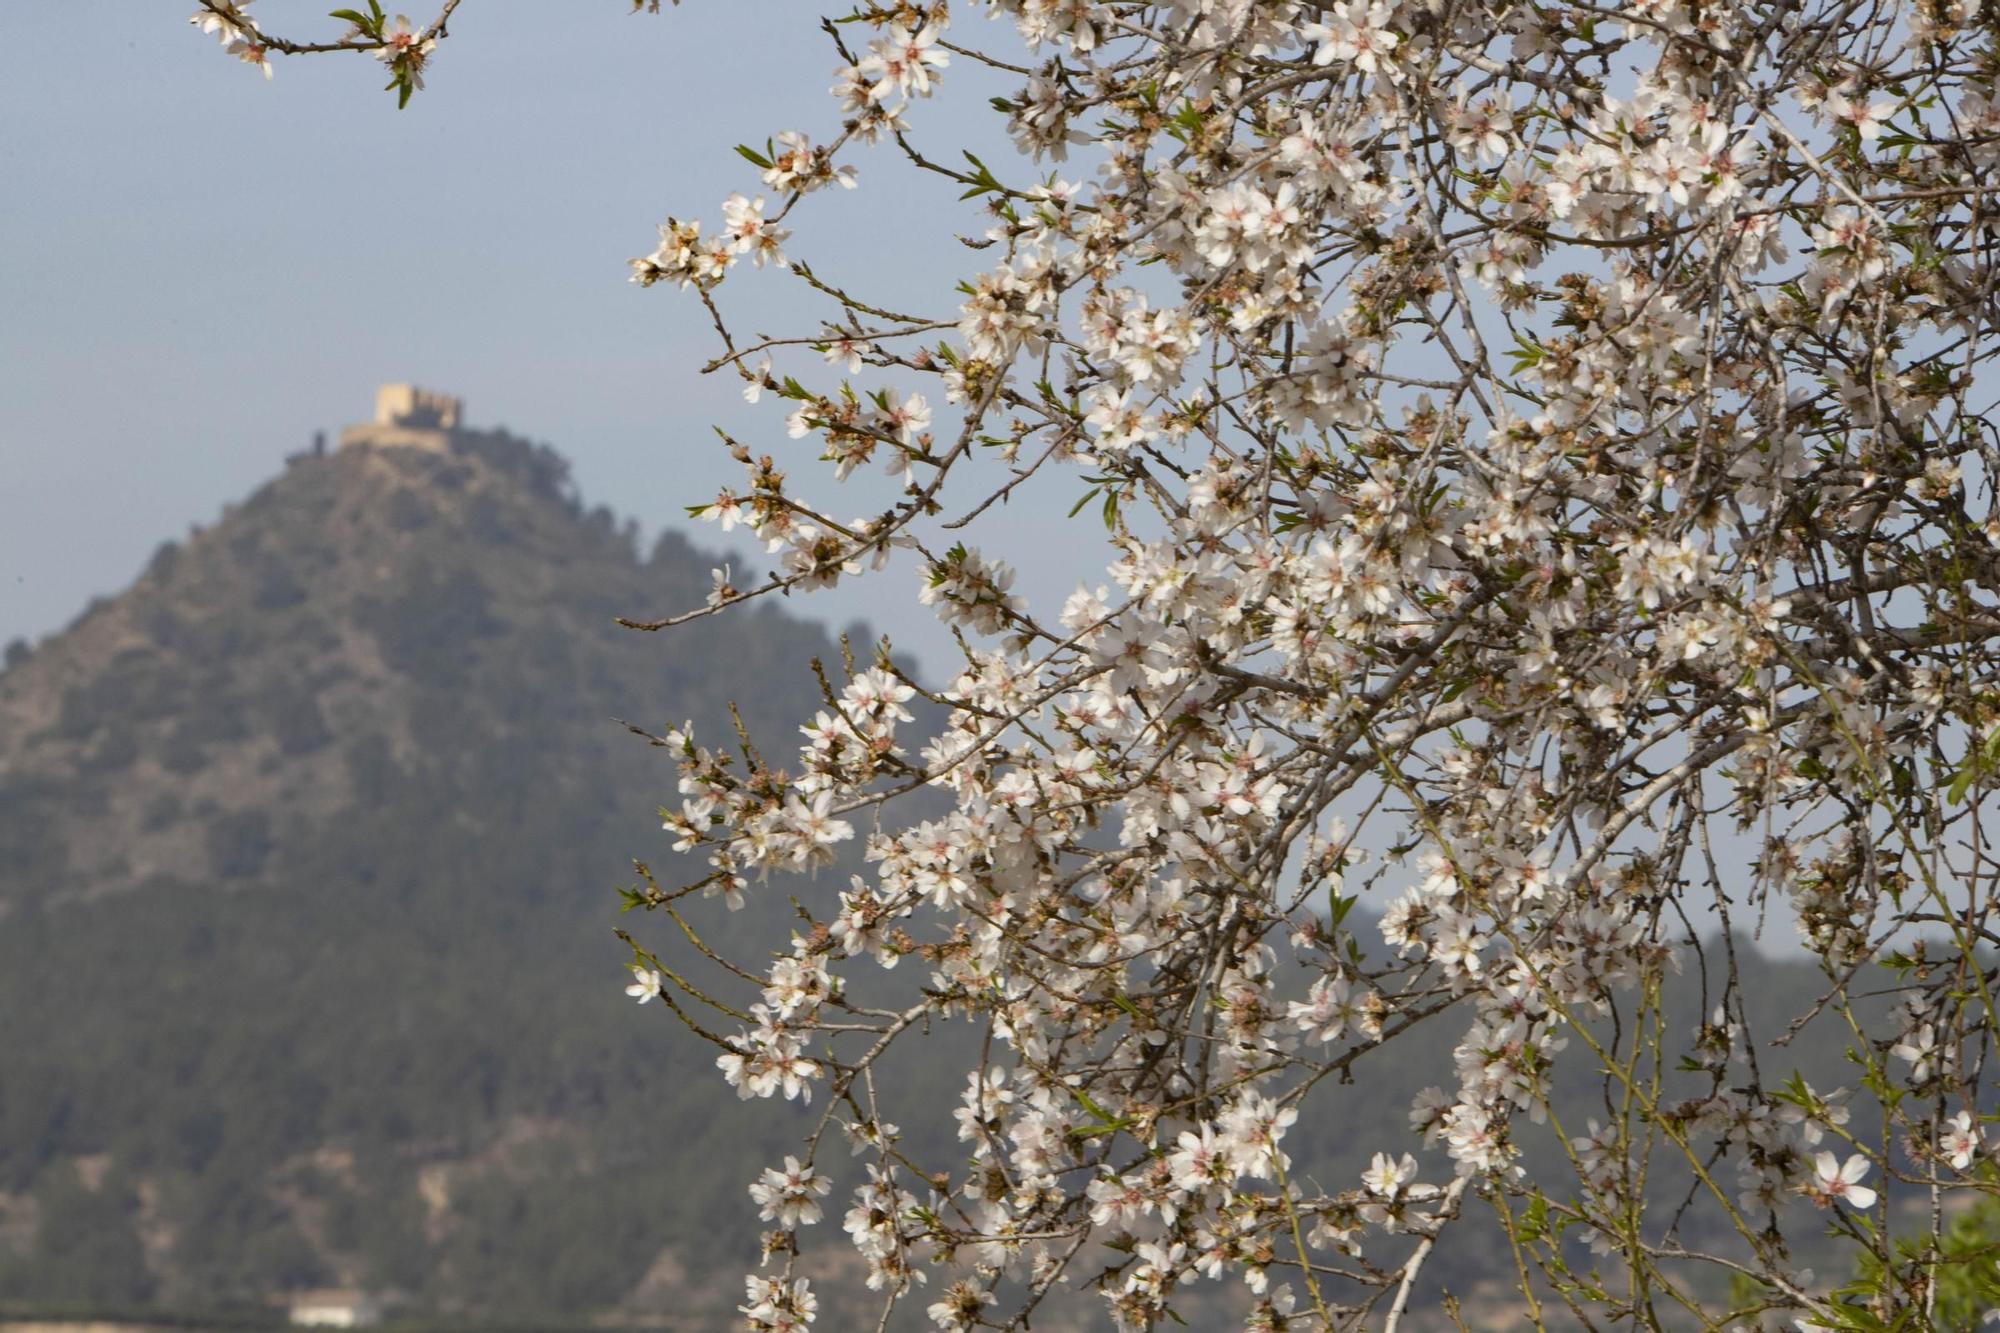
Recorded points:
309,843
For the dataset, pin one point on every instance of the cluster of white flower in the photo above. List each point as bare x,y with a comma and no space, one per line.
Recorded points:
230,23
1366,555
779,1305
405,50
1537,446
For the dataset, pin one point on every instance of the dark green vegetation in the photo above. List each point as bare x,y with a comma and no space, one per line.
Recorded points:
308,849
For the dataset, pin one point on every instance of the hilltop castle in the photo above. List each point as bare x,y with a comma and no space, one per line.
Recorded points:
408,417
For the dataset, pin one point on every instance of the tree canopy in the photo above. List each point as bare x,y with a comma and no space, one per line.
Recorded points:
1547,468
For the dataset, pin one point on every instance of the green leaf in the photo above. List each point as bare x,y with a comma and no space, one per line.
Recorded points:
1526,354
1534,1223
983,180
1979,761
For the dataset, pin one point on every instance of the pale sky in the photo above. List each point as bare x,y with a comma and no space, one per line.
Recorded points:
200,268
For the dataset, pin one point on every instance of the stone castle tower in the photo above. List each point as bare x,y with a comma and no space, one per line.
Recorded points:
409,418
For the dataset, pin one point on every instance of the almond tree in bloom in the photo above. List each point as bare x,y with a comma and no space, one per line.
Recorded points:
1548,472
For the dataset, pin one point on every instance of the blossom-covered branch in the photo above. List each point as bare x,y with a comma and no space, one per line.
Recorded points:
1547,466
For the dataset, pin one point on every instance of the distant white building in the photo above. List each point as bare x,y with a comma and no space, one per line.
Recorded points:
335,1309
408,417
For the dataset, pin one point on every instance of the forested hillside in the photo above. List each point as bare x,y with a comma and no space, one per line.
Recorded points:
309,844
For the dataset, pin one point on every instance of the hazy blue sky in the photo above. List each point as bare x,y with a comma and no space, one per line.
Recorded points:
201,268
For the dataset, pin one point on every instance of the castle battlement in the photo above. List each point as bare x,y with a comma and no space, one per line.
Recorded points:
409,418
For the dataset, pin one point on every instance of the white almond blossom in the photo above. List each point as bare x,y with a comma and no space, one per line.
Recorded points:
1962,1141
1835,1181
647,984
